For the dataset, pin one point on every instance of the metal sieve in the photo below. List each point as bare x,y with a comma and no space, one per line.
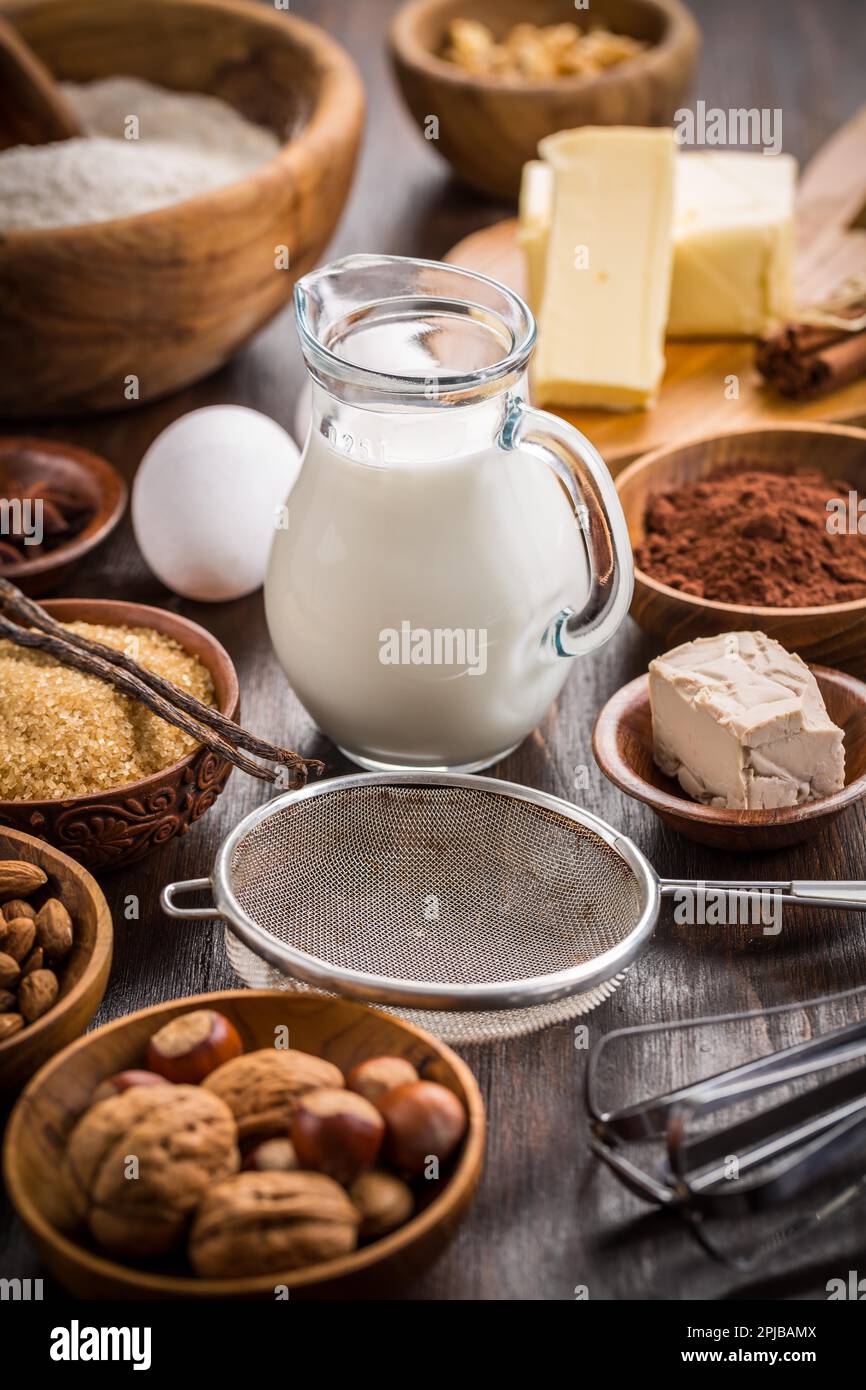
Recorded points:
483,908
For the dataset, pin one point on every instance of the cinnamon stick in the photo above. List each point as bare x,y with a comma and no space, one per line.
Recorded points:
803,359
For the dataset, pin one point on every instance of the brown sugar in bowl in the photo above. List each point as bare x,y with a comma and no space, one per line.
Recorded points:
169,295
104,830
830,635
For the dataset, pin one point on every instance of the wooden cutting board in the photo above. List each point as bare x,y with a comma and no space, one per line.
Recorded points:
831,245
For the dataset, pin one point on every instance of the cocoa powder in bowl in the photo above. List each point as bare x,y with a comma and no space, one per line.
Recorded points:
746,536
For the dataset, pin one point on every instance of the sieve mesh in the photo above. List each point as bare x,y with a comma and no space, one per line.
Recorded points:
443,883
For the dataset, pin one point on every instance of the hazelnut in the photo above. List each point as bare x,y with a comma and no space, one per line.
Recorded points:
191,1046
37,993
272,1156
17,907
124,1081
10,971
383,1201
423,1120
373,1078
7,1000
262,1088
337,1132
262,1223
17,940
54,930
10,1024
183,1141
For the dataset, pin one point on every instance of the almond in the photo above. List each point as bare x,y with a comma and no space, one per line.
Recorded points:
18,938
10,1024
37,993
54,930
34,961
19,879
10,971
17,908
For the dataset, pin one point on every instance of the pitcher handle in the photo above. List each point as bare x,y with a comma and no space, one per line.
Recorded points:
599,515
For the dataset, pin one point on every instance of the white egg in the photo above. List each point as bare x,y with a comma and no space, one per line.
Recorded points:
207,498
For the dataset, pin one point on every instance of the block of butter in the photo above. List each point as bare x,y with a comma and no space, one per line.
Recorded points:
733,244
733,235
536,199
741,723
608,267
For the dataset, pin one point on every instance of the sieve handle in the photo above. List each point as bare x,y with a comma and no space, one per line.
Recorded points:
187,914
804,892
599,515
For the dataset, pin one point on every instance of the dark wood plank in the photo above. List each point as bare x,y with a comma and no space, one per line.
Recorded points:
546,1219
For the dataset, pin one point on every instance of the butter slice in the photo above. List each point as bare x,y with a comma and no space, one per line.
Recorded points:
601,330
733,244
741,723
536,201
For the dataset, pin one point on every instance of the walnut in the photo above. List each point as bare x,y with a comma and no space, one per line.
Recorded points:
261,1223
139,1163
262,1088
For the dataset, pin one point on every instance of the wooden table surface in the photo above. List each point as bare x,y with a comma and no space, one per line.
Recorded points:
546,1220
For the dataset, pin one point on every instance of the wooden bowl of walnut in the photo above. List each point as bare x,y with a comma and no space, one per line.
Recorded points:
341,1033
83,974
489,124
168,295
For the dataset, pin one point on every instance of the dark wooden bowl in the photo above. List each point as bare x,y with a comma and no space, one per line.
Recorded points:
105,830
832,635
85,971
489,127
169,295
623,747
345,1034
73,470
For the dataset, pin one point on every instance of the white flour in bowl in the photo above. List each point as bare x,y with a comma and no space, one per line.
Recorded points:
187,143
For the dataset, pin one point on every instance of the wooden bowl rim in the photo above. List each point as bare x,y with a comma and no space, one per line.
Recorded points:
103,941
681,33
605,746
462,1179
647,462
138,615
114,496
327,124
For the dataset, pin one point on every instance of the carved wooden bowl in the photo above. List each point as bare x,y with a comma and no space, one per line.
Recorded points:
166,296
623,747
344,1033
84,973
105,830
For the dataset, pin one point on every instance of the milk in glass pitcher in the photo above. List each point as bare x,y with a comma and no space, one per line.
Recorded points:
448,549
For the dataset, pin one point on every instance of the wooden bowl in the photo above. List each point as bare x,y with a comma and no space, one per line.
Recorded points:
832,635
345,1034
623,747
73,470
168,295
85,970
105,830
489,127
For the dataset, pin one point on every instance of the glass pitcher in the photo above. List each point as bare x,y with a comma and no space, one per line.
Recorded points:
447,548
